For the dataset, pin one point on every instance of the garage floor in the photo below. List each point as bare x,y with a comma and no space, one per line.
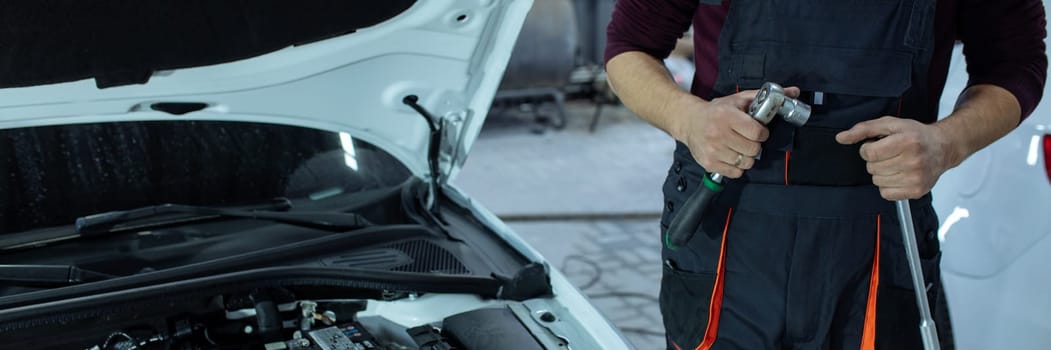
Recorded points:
590,202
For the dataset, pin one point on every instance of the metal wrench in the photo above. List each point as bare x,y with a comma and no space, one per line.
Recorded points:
928,332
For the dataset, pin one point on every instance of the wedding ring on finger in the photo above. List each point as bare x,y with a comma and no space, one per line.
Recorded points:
740,158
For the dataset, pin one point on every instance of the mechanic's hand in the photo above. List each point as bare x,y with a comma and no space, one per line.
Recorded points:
908,158
721,135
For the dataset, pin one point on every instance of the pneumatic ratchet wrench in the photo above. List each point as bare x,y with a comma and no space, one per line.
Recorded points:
769,102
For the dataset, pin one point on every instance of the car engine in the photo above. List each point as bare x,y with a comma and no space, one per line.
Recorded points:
273,319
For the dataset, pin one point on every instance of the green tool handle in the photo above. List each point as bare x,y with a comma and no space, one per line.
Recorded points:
682,227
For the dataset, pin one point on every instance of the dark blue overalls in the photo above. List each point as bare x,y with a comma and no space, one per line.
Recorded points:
802,252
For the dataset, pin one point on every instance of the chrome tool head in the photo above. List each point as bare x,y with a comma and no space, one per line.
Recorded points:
771,101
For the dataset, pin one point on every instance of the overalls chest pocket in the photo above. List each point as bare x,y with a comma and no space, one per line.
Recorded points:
853,60
840,48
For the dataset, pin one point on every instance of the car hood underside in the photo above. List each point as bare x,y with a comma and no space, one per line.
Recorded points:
344,66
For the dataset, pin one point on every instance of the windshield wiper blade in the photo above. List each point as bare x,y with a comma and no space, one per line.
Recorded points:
48,275
103,222
172,214
330,221
41,237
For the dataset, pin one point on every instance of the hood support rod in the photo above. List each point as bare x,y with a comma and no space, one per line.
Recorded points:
433,150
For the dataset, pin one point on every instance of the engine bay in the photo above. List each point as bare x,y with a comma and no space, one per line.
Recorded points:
276,319
389,287
411,282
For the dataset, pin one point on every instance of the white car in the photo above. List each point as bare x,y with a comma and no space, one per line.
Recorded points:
995,212
262,175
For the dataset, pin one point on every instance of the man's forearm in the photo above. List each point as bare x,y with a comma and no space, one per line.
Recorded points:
643,84
983,114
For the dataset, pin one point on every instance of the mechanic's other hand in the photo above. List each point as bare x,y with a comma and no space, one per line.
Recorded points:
908,158
721,135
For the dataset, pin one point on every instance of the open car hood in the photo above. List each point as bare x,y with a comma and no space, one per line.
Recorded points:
332,65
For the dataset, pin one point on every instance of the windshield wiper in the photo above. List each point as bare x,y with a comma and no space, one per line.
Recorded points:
48,275
102,223
172,214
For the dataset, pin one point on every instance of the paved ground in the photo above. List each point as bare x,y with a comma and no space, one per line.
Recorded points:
590,202
619,168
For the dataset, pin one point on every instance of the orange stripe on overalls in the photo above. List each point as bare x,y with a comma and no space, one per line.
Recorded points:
868,335
716,303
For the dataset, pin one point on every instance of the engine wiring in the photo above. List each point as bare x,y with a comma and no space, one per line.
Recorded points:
129,343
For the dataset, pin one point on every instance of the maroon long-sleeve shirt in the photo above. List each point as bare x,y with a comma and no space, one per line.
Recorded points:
1003,41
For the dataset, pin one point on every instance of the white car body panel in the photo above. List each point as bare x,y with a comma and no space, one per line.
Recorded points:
995,212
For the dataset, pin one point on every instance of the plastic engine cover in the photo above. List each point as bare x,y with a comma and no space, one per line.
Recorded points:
493,328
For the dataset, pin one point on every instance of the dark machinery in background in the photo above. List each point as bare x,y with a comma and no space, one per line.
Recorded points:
557,57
